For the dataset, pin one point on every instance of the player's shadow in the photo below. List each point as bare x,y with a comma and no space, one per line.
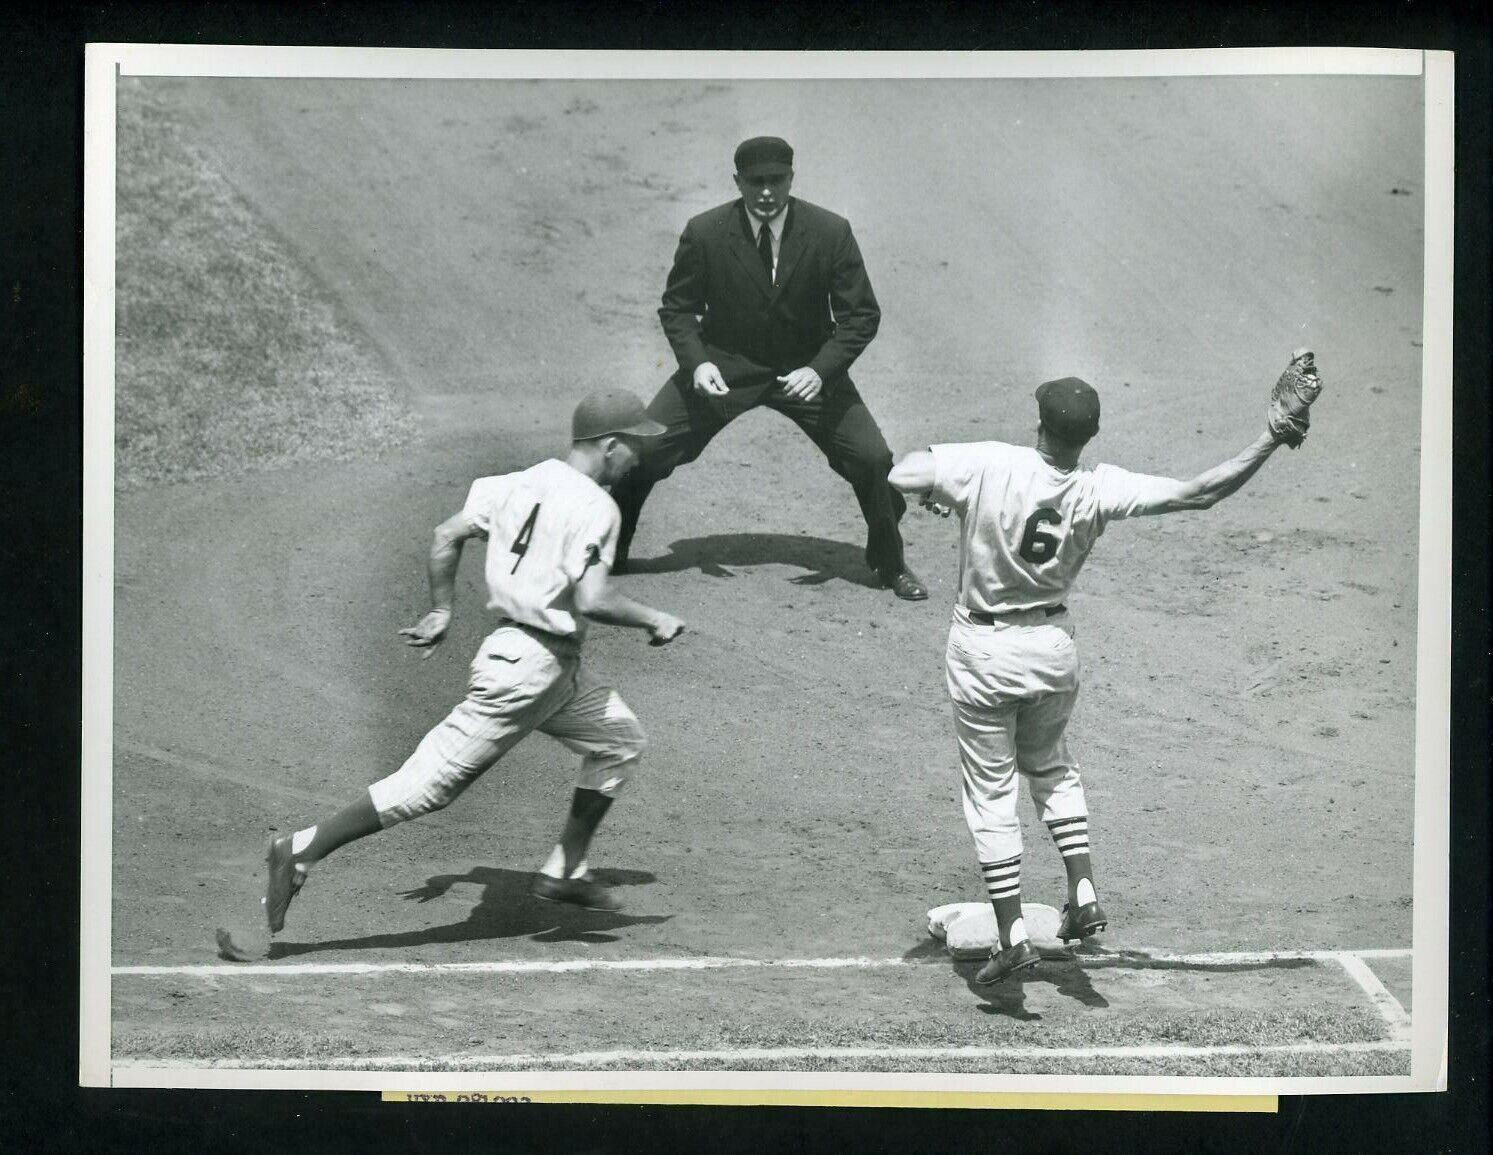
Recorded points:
1058,969
506,909
1069,971
714,553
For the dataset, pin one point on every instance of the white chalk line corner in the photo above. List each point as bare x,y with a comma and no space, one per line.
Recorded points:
1354,963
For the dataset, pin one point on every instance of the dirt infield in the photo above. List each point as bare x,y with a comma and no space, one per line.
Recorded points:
1247,720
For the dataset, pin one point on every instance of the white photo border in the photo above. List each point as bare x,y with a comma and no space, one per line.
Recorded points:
106,63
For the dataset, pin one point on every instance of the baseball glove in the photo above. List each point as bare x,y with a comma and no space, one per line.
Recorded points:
1289,415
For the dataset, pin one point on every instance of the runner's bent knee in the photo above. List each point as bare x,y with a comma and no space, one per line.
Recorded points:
609,767
512,684
448,760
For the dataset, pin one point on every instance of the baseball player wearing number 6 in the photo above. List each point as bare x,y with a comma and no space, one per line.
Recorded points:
1028,519
551,533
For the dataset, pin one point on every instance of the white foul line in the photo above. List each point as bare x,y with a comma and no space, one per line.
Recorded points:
562,966
1389,1006
768,1055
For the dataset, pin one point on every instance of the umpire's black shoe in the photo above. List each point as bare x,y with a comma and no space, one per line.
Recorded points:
1005,963
1087,920
583,892
905,584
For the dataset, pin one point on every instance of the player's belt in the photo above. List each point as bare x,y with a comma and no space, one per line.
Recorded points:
981,618
564,639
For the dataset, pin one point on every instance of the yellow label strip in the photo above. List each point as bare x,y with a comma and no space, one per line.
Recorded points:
985,1100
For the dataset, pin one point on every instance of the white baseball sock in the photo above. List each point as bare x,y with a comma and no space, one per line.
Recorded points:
554,865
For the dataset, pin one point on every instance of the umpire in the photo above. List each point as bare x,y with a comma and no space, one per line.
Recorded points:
768,303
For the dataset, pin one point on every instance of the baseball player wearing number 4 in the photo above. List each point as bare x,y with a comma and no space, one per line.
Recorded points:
1028,519
551,534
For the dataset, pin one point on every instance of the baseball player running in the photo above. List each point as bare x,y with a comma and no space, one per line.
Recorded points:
551,533
1028,519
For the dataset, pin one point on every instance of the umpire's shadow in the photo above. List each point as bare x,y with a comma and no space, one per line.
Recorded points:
506,909
1058,969
713,553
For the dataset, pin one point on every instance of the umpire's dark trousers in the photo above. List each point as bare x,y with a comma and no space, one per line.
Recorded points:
837,421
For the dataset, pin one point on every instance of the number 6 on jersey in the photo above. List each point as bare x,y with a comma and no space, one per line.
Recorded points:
1037,545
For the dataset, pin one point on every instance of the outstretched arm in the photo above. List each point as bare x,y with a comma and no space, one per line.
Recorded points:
914,474
1286,423
445,556
1212,485
601,601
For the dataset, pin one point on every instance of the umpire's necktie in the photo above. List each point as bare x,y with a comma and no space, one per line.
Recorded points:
764,249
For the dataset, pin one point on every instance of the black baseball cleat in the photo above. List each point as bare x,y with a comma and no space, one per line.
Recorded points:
1005,963
582,892
905,584
1086,921
285,882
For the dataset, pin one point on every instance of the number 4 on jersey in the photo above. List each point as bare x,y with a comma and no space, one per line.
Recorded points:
520,544
1039,545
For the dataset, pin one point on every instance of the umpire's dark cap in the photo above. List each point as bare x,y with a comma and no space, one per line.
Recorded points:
1069,408
613,411
764,156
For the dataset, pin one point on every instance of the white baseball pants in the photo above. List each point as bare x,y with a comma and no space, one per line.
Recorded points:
1013,686
521,680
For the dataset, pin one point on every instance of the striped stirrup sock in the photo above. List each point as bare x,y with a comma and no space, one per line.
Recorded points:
1003,882
1002,879
1071,835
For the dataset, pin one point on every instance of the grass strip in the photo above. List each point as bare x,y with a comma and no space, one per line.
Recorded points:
229,356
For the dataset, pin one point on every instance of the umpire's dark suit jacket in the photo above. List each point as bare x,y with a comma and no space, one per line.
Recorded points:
719,305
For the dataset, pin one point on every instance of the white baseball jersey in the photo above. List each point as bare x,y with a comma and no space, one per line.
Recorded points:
1027,526
545,526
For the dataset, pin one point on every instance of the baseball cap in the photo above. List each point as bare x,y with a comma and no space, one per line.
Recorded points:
1069,407
612,411
762,155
